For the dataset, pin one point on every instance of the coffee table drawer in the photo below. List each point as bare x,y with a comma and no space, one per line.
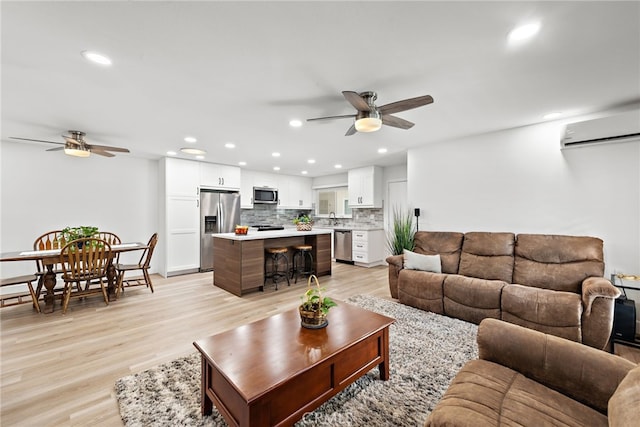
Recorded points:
358,357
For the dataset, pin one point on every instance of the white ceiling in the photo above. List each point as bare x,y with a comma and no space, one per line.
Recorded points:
239,71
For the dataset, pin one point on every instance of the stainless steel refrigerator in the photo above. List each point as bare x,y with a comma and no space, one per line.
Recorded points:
219,213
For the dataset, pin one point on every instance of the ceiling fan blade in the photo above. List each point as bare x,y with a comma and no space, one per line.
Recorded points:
356,100
102,153
71,140
405,104
396,122
36,140
351,130
107,148
55,149
332,117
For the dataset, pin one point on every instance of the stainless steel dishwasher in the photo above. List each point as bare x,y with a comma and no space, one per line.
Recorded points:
342,245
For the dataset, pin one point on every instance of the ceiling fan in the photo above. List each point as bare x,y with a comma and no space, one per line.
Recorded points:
370,118
76,145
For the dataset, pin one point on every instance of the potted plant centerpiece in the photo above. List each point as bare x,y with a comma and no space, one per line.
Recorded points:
315,306
74,233
303,222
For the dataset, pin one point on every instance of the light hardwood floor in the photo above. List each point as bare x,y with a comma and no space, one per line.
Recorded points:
61,369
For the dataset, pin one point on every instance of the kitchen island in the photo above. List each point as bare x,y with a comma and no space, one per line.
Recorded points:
238,260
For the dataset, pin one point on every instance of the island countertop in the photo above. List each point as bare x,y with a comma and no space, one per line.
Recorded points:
271,234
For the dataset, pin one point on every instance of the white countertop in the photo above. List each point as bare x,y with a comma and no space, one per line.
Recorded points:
271,234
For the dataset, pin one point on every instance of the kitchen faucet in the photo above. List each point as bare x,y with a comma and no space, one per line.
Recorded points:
335,220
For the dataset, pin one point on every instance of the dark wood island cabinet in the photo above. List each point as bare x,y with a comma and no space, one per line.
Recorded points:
238,260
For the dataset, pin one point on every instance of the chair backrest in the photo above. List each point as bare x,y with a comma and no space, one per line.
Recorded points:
145,259
85,259
49,240
111,239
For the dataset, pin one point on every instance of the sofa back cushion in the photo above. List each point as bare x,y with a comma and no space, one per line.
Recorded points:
557,262
447,244
487,256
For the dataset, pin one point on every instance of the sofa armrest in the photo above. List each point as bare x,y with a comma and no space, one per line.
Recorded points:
594,287
396,260
395,266
584,373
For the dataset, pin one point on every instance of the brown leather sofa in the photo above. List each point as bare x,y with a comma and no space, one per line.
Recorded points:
528,378
549,283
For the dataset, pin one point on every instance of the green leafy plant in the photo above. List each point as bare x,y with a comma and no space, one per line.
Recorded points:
75,233
313,300
303,219
401,237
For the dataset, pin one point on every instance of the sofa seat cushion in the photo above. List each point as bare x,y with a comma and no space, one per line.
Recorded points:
472,299
421,289
487,394
552,312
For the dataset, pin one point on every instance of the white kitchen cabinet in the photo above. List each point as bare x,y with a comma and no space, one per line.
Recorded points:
246,189
294,192
263,179
182,178
179,216
367,247
217,176
365,187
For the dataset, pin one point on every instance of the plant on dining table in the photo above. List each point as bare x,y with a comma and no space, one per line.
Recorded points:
82,232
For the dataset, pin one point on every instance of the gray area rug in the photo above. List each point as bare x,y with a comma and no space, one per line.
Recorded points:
426,352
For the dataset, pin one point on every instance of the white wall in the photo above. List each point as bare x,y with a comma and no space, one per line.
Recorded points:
519,180
43,191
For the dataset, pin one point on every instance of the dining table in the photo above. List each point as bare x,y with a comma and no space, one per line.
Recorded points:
51,257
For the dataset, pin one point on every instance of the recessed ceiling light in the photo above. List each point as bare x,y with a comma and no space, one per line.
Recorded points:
171,153
311,161
304,172
276,168
382,150
337,166
190,139
553,115
193,151
295,123
242,163
200,157
230,145
96,57
524,32
275,154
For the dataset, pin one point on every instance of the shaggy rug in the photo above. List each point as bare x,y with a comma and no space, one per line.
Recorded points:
426,352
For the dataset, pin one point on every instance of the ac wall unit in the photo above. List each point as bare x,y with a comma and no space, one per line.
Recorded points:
619,128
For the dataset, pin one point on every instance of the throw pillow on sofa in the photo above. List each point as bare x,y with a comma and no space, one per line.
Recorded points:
414,261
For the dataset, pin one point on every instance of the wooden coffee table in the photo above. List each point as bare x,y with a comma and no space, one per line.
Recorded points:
273,371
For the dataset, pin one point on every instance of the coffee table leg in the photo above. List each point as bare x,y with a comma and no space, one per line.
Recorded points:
384,366
206,405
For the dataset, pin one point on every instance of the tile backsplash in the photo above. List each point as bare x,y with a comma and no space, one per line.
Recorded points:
266,214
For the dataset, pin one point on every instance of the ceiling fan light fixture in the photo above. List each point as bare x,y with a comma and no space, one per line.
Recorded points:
368,121
70,150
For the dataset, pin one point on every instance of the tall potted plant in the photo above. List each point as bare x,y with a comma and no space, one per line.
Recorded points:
403,232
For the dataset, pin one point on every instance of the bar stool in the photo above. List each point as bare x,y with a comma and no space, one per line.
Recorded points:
276,255
302,261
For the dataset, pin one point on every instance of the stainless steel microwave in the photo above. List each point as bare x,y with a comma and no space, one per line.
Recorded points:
265,195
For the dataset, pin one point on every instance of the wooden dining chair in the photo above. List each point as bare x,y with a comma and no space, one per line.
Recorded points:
49,240
85,260
143,265
111,239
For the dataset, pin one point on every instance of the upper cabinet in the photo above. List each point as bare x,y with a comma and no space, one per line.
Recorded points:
222,177
182,178
365,187
294,192
246,189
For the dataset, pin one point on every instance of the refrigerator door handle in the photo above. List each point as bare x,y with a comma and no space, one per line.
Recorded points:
221,218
